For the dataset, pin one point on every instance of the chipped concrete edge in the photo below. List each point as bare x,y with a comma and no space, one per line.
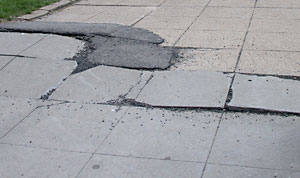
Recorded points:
46,10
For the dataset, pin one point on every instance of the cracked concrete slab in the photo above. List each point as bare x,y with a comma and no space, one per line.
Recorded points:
100,84
186,89
161,134
126,167
4,60
19,161
55,47
265,92
71,127
215,170
72,28
14,43
32,78
221,60
258,140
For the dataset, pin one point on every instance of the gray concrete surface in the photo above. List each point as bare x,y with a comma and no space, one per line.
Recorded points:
99,121
186,89
269,93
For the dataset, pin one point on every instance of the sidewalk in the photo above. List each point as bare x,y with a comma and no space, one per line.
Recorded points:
218,98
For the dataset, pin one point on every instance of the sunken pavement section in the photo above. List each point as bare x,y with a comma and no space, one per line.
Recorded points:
100,100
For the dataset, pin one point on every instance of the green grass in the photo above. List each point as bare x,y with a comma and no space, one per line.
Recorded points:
10,9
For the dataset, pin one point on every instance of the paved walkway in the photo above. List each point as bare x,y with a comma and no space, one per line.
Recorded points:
229,107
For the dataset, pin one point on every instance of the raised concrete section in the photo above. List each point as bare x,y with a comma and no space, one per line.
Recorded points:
32,78
111,166
258,140
72,127
186,89
100,84
161,134
268,93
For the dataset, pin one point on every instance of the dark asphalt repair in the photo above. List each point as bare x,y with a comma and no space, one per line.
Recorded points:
107,44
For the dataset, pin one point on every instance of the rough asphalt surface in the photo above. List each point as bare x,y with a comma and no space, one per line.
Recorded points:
107,44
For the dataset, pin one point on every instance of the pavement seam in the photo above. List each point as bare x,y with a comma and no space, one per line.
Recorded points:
134,23
1,137
24,50
212,144
253,167
125,112
197,17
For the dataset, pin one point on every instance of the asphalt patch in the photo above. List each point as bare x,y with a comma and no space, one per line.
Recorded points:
107,44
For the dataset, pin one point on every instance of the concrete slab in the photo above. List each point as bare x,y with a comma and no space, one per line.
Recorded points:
32,78
59,4
70,127
228,171
135,91
276,13
114,166
65,18
275,25
270,62
55,47
211,39
12,111
221,24
14,43
275,3
232,3
99,2
269,93
227,12
127,10
186,89
161,134
101,83
123,20
4,60
273,41
141,2
207,60
191,3
34,14
82,10
258,140
165,22
177,11
18,161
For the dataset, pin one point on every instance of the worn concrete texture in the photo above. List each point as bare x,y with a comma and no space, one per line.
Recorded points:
161,134
100,84
111,166
265,92
186,89
62,127
258,140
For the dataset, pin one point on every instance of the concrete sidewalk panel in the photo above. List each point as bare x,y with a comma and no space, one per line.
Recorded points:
186,89
269,93
71,127
258,140
229,171
99,84
126,167
161,134
14,43
4,60
32,78
55,47
211,39
19,161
